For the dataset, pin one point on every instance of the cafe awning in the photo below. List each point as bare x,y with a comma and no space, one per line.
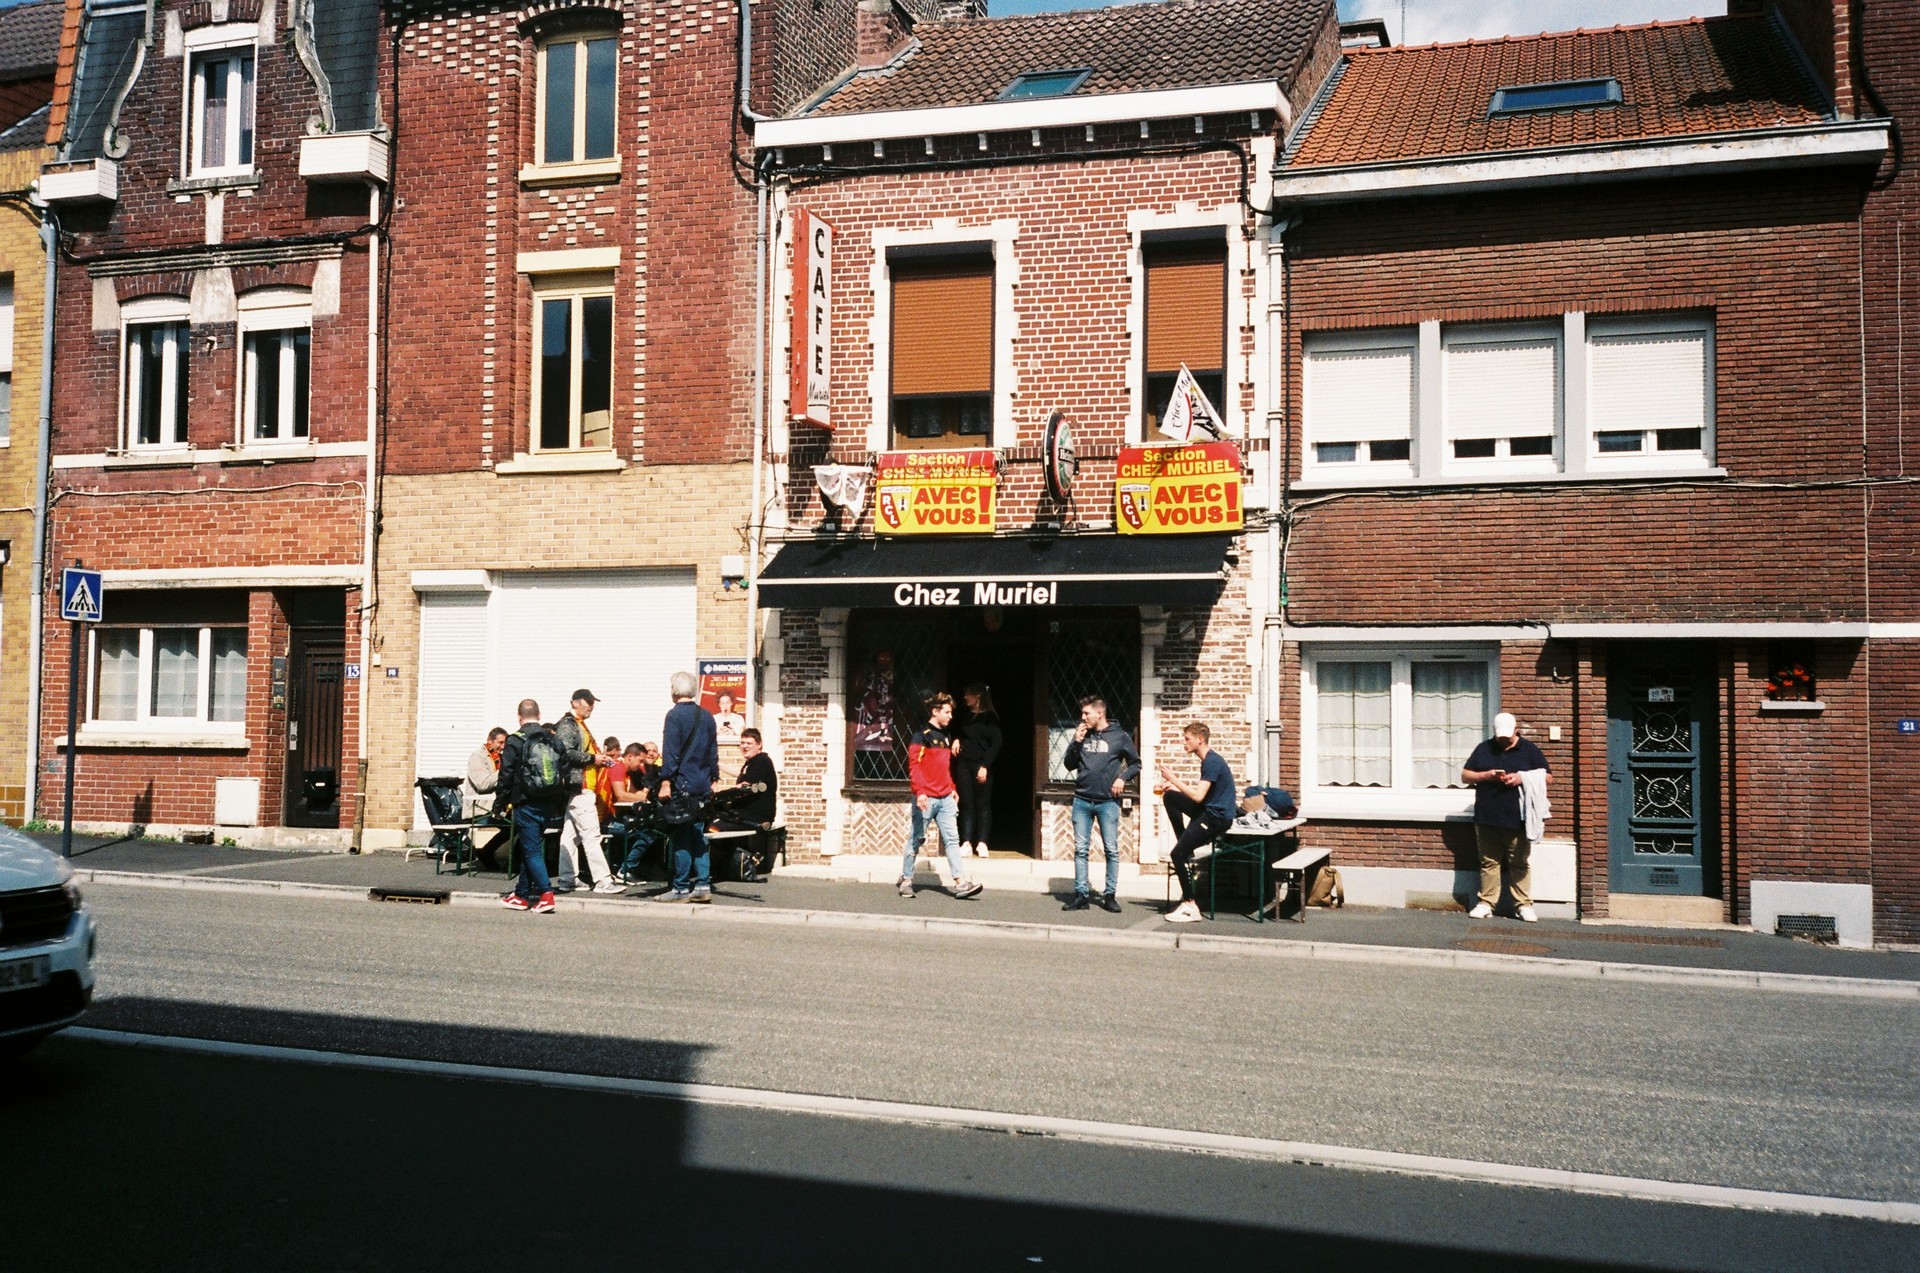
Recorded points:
1013,571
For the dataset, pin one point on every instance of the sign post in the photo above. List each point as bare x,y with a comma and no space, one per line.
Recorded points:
80,599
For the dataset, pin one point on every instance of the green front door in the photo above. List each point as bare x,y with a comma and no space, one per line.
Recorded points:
1661,777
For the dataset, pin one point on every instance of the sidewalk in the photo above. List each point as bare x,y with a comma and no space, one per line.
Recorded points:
801,894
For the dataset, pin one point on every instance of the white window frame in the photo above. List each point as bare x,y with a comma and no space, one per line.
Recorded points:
1407,338
1599,327
573,288
1467,335
201,45
6,360
1148,230
577,40
144,721
273,310
150,312
1400,801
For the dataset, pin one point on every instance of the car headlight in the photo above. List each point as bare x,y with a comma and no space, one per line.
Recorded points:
72,891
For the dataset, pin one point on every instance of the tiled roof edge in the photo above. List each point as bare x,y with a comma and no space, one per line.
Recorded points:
1393,50
1311,116
1800,57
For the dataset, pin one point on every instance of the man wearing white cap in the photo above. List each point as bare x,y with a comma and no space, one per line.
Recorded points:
1493,771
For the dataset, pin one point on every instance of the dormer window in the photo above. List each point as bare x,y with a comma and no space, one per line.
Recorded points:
220,99
1560,95
1036,84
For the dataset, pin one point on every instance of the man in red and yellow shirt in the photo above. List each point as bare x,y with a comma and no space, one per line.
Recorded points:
930,769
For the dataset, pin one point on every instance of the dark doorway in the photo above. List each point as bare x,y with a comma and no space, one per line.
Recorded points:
316,689
1662,708
998,652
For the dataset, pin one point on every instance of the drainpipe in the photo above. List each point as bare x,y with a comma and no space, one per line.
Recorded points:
1279,443
43,473
361,767
754,532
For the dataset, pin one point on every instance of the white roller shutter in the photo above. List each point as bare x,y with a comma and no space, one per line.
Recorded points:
1503,388
451,718
1648,380
6,322
1359,395
621,634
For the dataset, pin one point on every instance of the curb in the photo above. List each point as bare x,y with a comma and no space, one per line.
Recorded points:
1198,943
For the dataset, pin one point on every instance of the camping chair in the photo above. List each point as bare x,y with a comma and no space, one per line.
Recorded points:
452,841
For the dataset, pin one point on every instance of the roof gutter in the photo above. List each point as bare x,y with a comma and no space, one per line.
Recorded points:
1861,142
1002,117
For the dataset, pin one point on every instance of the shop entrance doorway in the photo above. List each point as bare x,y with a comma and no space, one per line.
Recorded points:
1006,668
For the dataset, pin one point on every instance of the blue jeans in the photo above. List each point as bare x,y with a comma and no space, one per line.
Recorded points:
1084,812
943,812
640,841
692,865
530,832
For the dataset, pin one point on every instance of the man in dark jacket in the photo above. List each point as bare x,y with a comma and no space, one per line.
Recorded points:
580,830
689,767
533,813
1104,756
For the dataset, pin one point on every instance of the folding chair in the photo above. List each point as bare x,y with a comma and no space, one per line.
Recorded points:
452,842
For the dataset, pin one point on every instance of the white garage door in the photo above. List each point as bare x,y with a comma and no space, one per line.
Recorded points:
452,715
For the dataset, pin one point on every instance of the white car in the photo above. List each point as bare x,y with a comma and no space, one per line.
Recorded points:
46,945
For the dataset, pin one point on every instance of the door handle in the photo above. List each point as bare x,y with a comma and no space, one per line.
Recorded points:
293,735
1616,777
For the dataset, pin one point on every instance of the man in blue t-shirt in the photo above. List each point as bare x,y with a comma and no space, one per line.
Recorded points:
1208,802
1499,826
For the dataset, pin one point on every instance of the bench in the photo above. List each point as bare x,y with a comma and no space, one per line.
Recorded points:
749,854
1252,847
1294,874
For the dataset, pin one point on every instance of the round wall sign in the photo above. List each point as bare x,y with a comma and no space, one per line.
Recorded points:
1060,461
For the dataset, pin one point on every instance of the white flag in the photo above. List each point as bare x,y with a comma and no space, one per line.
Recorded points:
1188,412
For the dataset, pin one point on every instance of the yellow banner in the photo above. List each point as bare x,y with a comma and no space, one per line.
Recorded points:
934,493
1178,490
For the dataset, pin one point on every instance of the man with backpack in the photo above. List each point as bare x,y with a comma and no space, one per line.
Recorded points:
533,782
690,768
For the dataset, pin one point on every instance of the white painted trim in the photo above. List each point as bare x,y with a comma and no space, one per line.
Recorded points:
1019,116
254,577
173,457
1187,216
1298,635
1893,631
110,734
1707,631
451,581
221,35
1000,235
1826,143
1360,481
548,462
567,260
585,170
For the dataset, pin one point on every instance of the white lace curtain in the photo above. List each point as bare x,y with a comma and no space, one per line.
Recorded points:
1449,719
1356,724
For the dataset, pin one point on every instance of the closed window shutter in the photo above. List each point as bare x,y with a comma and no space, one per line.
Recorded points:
451,717
6,323
1187,312
1503,389
1649,380
943,328
1359,395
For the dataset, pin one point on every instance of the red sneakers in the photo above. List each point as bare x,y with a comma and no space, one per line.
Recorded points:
544,905
515,902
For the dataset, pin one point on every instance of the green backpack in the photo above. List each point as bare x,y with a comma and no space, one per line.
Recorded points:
541,768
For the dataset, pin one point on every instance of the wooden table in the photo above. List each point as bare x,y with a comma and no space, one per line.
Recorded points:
1242,844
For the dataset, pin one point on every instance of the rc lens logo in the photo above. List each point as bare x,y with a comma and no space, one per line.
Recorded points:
1135,499
893,505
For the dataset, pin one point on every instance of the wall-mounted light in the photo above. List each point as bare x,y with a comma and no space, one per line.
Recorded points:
733,571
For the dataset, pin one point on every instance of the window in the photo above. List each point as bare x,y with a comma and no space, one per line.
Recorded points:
573,363
577,99
1186,308
1520,99
1360,399
276,355
154,374
894,664
1387,730
1502,395
942,345
6,358
1044,84
221,138
171,661
1648,391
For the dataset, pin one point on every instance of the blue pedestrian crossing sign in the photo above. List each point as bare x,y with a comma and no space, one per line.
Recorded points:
80,595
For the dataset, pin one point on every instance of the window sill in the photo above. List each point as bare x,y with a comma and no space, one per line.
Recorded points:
1791,707
156,740
1380,805
218,181
269,453
523,463
157,458
1346,482
562,174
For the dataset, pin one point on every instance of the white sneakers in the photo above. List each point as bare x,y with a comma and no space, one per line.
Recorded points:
980,850
1480,911
1527,916
1184,913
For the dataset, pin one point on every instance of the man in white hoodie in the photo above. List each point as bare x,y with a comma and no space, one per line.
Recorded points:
1499,824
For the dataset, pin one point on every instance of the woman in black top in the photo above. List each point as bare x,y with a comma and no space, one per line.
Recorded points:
980,740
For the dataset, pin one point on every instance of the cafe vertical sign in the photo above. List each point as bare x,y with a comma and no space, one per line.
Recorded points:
812,319
1178,490
934,492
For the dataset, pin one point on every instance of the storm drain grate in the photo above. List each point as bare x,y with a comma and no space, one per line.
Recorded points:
1503,946
417,896
1638,939
1814,928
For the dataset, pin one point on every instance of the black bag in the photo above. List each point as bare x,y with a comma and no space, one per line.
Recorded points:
681,808
540,777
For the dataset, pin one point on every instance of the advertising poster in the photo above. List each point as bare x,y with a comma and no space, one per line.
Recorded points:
812,369
723,691
873,709
1178,490
934,492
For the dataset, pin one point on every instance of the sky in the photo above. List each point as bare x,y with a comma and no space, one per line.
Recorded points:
1431,20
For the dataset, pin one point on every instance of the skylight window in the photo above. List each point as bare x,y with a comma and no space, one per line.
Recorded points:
1044,84
1562,95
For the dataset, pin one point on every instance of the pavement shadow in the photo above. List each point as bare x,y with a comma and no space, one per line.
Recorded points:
236,1162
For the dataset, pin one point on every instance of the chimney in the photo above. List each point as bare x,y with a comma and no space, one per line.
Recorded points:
960,10
1824,30
880,31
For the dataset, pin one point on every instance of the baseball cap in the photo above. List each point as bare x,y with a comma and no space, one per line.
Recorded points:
1505,726
583,694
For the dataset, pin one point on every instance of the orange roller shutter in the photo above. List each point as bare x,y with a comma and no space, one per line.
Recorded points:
1187,312
943,329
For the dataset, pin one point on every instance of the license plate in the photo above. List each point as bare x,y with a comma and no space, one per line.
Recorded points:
24,974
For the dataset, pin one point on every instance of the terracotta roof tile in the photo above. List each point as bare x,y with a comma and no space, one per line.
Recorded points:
1706,75
1130,48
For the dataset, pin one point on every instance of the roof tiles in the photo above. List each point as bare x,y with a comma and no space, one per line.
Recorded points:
1710,75
1130,48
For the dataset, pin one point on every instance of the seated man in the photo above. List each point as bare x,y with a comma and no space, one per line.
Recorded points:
757,813
1209,802
632,782
483,777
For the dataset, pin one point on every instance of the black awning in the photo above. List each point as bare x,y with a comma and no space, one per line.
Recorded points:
1027,570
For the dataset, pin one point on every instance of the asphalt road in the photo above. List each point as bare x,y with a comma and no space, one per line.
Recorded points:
147,1159
1753,1089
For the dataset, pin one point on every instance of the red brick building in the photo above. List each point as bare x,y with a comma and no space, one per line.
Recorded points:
217,188
1591,412
1030,218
